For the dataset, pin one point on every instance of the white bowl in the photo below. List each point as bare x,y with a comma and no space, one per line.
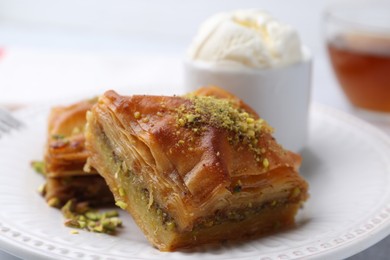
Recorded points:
279,95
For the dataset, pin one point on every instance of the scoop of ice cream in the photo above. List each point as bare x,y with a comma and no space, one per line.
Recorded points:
249,38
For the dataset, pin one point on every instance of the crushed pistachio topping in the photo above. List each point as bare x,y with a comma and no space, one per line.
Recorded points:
265,163
224,114
181,121
79,215
39,167
137,115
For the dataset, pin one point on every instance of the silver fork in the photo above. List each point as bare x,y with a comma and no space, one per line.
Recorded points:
8,122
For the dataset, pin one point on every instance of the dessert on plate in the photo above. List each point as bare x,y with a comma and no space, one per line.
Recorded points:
194,169
65,157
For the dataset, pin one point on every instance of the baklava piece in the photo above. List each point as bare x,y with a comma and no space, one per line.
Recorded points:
65,157
195,169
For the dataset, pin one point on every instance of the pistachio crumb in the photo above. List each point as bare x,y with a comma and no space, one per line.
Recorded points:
87,166
82,224
121,192
57,136
190,118
74,232
170,225
98,228
251,133
295,192
243,127
250,120
90,220
137,115
54,202
265,163
121,204
42,189
92,215
39,167
181,122
112,213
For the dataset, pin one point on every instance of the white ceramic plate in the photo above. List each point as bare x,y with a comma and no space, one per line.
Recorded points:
347,164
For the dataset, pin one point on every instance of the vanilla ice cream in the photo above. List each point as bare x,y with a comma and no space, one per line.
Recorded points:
246,38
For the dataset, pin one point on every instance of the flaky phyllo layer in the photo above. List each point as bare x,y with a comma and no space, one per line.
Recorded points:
65,157
65,153
185,163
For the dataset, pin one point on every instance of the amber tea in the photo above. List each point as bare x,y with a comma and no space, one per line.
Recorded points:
362,66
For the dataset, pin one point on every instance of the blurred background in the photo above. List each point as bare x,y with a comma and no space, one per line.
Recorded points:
65,49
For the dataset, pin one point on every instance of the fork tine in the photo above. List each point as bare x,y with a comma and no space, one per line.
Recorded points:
3,129
8,122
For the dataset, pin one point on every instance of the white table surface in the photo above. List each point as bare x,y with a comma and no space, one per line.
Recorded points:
33,74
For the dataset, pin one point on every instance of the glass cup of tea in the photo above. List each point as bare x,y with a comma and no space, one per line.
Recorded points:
358,44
